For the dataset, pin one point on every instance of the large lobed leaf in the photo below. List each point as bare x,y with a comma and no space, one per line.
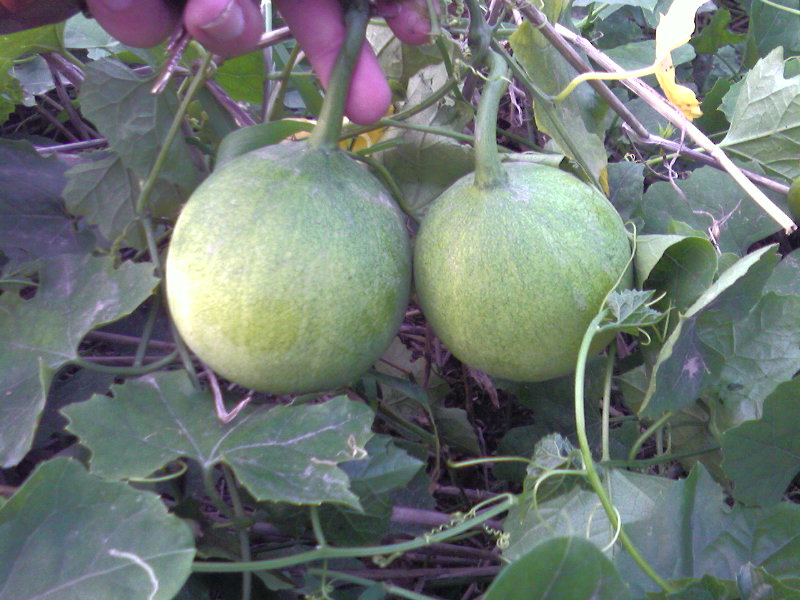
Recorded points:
765,125
281,454
76,293
68,535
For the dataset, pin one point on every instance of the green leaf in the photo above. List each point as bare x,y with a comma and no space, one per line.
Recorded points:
32,214
765,125
104,192
281,454
711,202
762,456
682,267
386,468
629,310
38,336
10,90
706,588
534,520
716,34
576,124
65,534
243,77
785,279
626,185
424,165
692,358
770,28
691,531
135,121
566,568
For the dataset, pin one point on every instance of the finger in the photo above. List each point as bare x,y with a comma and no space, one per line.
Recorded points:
139,23
16,15
408,19
318,27
226,27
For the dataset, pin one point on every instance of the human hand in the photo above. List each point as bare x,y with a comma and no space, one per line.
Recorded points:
232,27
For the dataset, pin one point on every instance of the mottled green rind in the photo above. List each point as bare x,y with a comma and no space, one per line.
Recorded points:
289,270
510,277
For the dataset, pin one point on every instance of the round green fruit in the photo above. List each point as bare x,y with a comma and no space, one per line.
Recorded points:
289,270
510,276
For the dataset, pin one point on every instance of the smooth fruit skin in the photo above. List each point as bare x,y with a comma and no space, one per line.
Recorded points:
289,270
509,277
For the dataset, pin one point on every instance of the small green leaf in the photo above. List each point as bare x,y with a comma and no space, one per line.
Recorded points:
630,310
281,454
38,336
65,534
565,568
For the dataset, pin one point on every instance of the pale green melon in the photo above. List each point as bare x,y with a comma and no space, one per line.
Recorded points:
509,277
289,270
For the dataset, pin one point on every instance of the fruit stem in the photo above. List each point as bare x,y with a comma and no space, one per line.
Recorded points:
326,134
489,172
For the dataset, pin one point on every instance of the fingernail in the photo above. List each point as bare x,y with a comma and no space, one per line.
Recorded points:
116,4
227,25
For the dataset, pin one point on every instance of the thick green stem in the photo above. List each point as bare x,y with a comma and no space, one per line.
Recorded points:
489,171
589,465
241,521
326,134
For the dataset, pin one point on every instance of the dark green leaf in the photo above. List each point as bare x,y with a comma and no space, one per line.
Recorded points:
104,192
762,457
785,279
770,27
67,535
716,34
135,121
709,202
243,77
682,267
32,214
566,568
281,454
386,468
691,359
626,185
38,336
629,310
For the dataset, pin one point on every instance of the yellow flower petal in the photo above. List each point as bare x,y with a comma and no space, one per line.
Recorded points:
676,26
